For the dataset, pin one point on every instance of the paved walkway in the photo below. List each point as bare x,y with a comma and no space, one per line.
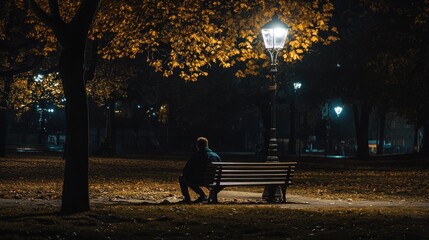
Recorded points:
234,197
299,201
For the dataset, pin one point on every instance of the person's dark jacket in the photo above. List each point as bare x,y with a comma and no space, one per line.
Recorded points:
195,167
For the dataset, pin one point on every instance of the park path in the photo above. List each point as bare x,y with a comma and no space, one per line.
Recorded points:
296,201
234,197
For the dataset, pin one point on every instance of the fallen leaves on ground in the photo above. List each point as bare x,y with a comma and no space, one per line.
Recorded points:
40,177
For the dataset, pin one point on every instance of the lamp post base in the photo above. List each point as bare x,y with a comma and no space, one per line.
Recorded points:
272,194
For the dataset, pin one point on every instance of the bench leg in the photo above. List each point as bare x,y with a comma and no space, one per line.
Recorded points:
284,194
213,194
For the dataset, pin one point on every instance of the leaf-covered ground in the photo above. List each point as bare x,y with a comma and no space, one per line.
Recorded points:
24,178
40,177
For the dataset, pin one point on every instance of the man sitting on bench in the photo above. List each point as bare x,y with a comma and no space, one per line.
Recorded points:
193,172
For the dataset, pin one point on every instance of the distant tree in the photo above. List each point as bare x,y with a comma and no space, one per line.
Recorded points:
411,66
19,54
401,59
360,64
109,84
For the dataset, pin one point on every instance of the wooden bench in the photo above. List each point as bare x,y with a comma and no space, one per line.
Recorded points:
219,175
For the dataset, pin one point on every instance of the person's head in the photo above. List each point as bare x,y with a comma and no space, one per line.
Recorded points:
202,143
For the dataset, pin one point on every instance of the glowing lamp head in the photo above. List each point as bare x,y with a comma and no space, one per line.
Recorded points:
338,110
297,86
275,34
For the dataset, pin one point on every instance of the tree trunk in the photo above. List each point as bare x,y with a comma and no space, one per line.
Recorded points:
292,137
42,131
75,196
361,119
3,115
382,124
425,147
3,131
110,137
416,139
72,37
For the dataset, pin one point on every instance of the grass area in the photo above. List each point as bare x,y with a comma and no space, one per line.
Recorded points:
232,221
40,177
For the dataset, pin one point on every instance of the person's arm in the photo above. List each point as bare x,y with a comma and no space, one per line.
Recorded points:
214,157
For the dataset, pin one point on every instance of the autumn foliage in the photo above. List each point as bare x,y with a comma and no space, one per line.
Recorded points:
187,37
191,36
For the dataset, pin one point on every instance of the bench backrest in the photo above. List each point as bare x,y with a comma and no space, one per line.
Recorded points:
249,173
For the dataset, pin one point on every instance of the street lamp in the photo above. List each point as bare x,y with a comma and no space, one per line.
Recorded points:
326,115
292,107
338,110
274,34
296,86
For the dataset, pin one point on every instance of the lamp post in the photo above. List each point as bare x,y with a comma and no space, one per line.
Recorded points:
274,34
292,106
326,115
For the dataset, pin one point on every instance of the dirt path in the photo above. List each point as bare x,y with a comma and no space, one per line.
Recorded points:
233,197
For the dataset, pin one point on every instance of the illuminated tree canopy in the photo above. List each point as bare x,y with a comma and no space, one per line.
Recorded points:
187,37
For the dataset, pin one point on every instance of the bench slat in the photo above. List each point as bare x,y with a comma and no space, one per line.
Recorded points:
249,177
251,183
283,181
255,163
256,175
251,167
249,171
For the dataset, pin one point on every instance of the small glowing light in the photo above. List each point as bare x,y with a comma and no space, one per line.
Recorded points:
38,78
297,85
338,110
138,106
338,65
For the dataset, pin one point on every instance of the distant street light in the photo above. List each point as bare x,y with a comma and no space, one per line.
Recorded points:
296,86
338,110
274,34
38,78
326,115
